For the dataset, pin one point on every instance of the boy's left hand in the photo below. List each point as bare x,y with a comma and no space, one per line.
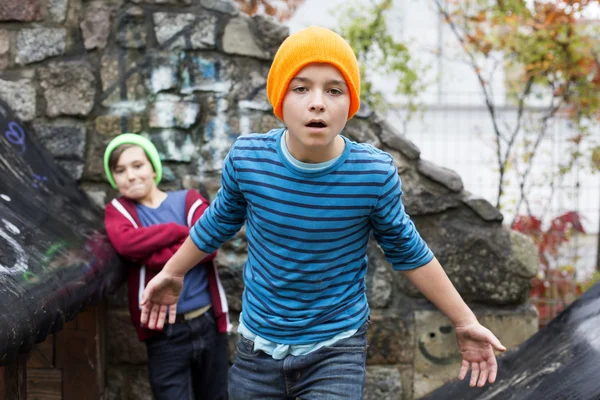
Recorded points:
477,345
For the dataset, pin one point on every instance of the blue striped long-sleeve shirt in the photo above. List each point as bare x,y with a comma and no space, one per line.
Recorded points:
307,235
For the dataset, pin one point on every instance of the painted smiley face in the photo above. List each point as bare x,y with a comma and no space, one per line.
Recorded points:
438,346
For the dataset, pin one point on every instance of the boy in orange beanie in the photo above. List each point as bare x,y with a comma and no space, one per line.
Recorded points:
310,199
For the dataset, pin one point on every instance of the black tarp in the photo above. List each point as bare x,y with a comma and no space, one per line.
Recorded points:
560,362
54,256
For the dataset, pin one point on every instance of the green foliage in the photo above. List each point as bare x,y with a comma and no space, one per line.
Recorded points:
550,54
584,286
546,43
378,53
596,158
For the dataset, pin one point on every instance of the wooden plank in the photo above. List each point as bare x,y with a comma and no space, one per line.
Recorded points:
44,384
42,354
101,311
76,355
13,380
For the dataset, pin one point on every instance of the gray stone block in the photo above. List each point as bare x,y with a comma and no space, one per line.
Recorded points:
222,6
205,73
230,262
57,10
63,140
391,338
95,26
124,81
383,383
484,209
172,111
185,31
172,144
22,10
20,96
422,196
268,33
37,44
164,72
239,39
69,88
94,165
131,29
4,42
441,175
363,131
379,278
477,257
113,125
98,196
525,255
73,168
168,175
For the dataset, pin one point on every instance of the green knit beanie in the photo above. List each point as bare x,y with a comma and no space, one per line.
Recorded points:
145,144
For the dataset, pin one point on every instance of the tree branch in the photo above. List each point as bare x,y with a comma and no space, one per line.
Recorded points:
520,110
540,137
488,101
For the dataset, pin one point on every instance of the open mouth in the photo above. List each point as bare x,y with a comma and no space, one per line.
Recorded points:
316,124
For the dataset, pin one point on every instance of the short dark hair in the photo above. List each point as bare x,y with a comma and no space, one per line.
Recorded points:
116,154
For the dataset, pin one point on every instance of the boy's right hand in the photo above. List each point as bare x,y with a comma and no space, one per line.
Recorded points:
161,293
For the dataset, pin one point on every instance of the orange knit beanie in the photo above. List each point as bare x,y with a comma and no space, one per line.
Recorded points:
312,45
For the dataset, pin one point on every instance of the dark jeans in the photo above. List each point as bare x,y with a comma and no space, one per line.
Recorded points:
330,373
189,361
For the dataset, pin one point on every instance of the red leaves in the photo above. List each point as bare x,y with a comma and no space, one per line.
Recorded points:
528,225
549,41
549,241
556,287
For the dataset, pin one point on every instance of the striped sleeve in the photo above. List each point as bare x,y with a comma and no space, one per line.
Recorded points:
226,214
394,231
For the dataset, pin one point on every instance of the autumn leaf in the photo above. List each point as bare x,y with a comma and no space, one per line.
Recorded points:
283,10
596,158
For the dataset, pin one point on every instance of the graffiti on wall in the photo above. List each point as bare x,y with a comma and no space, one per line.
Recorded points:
185,86
54,256
19,264
438,346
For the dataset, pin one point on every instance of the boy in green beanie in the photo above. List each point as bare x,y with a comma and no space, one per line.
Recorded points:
187,359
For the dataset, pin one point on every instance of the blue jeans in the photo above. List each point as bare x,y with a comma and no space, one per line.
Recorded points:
330,373
189,361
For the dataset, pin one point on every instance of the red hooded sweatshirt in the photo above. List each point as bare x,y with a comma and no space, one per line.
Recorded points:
147,250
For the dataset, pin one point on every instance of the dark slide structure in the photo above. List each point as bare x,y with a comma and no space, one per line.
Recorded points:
560,362
54,256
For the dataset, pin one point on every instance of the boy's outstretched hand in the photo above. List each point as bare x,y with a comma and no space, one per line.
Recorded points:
161,293
477,345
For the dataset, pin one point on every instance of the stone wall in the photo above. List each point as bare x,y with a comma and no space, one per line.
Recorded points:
191,75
